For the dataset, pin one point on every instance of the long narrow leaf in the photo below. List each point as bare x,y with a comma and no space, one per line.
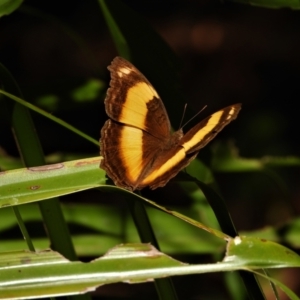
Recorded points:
48,274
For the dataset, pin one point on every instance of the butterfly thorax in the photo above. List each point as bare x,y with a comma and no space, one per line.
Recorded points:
173,140
163,150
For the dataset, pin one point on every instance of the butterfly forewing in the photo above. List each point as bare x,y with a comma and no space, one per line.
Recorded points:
133,101
201,134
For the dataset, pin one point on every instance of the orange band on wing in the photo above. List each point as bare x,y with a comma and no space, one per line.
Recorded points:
211,124
165,167
135,107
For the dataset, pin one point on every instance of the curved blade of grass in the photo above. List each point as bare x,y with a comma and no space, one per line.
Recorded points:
214,199
105,226
49,116
213,231
49,274
115,32
279,284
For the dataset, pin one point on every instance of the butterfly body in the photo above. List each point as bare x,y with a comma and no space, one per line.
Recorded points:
136,143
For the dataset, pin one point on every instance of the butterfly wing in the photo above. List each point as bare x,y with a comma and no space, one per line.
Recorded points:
139,126
201,134
128,153
185,149
131,100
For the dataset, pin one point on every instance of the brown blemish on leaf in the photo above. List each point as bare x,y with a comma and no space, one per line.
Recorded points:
82,163
46,167
25,260
35,187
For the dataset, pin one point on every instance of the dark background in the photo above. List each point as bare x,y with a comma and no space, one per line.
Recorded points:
228,53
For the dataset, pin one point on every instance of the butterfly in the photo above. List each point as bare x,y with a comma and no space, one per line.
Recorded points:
136,143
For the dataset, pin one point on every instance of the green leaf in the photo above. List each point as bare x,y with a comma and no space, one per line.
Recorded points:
9,6
260,253
293,4
27,274
89,91
37,183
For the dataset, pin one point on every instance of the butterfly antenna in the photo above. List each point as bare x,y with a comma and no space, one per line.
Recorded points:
193,116
184,110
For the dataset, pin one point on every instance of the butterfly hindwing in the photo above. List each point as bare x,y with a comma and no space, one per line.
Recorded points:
128,154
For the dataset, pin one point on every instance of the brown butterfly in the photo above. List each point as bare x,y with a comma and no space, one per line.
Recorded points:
136,143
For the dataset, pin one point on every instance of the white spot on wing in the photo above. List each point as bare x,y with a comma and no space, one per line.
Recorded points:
231,113
123,71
